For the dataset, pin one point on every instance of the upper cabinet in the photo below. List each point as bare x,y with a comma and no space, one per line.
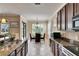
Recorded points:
69,15
74,9
63,18
77,8
58,20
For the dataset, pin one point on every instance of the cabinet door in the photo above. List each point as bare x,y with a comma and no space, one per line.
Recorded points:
69,15
77,7
52,45
63,19
74,9
58,20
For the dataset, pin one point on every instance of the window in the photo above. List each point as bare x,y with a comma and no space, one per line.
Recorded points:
38,28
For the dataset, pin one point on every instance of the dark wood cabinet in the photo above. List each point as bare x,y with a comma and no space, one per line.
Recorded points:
52,45
56,48
58,21
63,18
74,9
69,15
77,8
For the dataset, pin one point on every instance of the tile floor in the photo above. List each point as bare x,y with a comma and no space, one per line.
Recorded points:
38,49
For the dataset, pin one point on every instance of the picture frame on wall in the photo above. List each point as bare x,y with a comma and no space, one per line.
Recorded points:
14,24
4,27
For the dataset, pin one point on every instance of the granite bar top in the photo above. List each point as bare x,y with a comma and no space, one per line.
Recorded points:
7,48
71,46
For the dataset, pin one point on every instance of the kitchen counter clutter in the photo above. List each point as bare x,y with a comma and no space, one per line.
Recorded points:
6,37
71,47
14,48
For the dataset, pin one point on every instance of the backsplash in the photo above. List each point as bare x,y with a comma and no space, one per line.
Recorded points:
70,35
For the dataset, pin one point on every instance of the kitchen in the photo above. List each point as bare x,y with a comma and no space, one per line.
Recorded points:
67,27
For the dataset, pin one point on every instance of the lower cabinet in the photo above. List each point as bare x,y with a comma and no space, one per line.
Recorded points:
59,50
52,45
54,48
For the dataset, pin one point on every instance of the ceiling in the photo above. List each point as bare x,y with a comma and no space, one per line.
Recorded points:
31,11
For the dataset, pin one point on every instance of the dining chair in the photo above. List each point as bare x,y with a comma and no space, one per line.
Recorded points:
43,37
31,37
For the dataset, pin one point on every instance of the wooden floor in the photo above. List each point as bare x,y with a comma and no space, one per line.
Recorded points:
38,49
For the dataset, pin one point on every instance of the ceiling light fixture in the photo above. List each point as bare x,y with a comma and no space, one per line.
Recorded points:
3,20
37,3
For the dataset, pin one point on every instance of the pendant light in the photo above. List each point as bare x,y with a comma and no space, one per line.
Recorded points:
3,20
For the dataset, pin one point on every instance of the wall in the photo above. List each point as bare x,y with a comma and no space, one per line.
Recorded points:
70,35
49,28
29,28
54,24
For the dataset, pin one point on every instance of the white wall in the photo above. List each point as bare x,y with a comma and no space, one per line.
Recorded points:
54,23
49,28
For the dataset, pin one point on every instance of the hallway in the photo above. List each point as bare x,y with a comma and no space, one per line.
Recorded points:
38,49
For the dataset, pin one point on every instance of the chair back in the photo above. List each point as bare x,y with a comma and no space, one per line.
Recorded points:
43,36
30,37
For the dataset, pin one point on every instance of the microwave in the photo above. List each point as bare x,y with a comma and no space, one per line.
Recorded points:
75,23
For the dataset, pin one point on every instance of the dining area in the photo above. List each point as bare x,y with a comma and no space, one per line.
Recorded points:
38,32
37,37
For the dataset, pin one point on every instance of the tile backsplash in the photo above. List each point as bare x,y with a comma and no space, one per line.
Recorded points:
70,35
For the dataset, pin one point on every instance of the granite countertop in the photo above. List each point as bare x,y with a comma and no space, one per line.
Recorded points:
72,47
7,48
